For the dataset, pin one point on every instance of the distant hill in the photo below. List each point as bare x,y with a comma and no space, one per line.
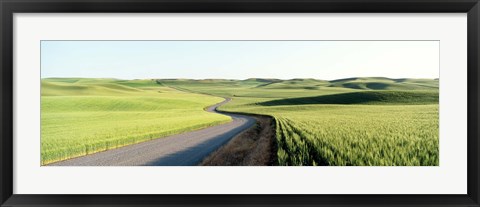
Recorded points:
109,86
381,83
93,86
363,83
371,90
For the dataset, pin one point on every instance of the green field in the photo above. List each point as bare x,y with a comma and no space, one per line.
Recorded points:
356,121
84,116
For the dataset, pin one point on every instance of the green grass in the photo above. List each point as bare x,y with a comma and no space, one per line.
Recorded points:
356,121
84,116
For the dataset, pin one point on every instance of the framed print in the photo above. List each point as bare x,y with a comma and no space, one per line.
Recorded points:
239,103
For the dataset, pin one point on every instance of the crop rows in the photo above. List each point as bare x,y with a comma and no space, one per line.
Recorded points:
377,138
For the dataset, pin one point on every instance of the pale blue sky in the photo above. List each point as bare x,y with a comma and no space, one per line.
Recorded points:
325,60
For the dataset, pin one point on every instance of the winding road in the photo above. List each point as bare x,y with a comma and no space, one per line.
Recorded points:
186,149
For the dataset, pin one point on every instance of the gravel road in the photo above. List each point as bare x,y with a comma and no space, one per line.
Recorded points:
184,149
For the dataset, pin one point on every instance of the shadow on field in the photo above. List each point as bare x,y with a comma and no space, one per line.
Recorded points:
369,97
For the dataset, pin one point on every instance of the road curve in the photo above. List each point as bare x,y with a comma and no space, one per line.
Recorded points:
184,149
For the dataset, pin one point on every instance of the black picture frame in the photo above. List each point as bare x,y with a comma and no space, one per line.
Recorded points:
9,7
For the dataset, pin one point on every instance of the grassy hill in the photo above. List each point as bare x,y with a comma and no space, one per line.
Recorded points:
364,83
380,83
364,97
